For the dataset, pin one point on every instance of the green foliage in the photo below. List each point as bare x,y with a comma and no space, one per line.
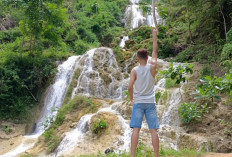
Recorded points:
144,151
169,83
93,107
227,52
127,95
52,140
80,47
180,153
143,39
178,72
157,96
212,87
227,64
9,35
191,25
6,129
229,36
21,78
71,86
98,126
189,112
164,96
140,34
206,70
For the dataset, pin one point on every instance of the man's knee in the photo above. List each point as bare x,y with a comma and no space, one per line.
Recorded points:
153,131
136,130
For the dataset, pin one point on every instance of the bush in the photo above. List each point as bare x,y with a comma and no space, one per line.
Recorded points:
9,36
189,112
206,70
80,47
98,126
140,34
229,35
227,52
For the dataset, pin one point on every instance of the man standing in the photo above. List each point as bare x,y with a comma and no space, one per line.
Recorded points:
142,95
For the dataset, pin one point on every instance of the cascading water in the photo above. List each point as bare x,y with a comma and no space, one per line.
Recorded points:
123,41
134,16
53,100
78,136
100,75
56,94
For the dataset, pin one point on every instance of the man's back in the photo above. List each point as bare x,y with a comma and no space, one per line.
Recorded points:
143,85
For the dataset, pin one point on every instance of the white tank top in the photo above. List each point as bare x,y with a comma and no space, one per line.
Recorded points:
144,85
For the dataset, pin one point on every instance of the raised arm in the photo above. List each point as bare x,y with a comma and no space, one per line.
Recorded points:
154,52
131,83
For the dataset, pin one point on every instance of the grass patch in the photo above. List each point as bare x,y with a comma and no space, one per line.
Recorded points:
164,95
144,151
71,86
6,129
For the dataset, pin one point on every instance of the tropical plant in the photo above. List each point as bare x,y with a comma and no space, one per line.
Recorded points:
212,87
189,112
179,73
98,126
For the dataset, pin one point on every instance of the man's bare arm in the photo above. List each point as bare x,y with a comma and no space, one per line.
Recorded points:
155,47
131,83
154,53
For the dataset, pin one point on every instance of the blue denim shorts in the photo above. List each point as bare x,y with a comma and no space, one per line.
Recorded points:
138,111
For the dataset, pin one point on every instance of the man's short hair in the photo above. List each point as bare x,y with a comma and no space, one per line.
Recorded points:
142,54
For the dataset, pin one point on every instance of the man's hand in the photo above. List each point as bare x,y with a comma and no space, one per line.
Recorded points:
132,101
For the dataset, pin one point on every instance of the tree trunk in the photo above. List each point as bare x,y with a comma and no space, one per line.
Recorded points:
189,28
154,16
224,21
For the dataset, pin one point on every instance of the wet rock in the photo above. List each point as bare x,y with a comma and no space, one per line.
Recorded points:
109,150
124,108
129,44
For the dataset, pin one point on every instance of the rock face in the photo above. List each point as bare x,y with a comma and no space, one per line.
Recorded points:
100,75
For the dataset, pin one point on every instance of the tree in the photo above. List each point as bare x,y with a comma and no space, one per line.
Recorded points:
42,19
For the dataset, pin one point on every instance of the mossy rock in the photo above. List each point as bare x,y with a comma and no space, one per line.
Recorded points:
129,44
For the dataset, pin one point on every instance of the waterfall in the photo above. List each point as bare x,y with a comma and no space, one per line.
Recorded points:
56,94
100,75
53,100
134,16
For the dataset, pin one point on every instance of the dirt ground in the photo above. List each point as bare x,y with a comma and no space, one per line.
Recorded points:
216,125
218,155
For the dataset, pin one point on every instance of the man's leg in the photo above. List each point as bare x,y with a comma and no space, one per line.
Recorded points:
134,141
155,141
